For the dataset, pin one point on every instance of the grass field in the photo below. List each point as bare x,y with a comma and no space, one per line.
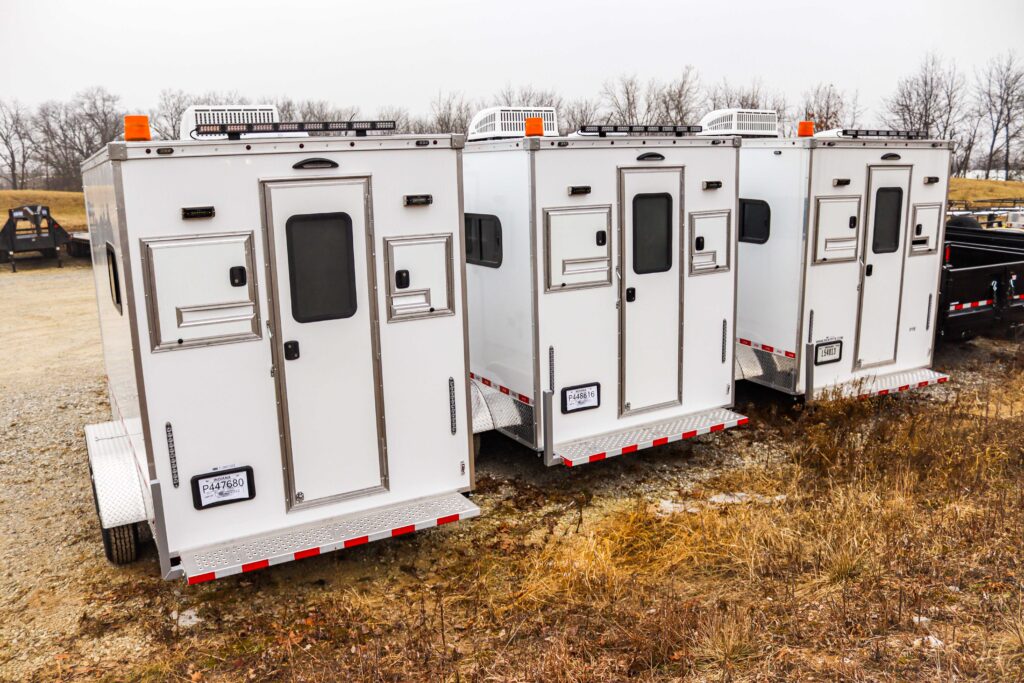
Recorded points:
69,207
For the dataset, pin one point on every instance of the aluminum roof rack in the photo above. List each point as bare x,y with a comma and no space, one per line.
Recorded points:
235,130
603,130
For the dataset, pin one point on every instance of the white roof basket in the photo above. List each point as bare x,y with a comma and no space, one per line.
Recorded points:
747,123
198,115
510,122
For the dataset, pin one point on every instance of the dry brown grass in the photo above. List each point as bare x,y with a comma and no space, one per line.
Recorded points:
963,188
67,207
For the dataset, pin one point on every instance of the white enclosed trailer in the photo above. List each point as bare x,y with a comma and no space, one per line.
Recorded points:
601,283
840,241
284,330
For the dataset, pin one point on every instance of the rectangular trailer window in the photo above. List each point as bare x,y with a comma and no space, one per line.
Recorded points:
652,233
755,221
114,278
321,266
888,210
483,240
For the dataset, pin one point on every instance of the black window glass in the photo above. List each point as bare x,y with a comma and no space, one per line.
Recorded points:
755,221
483,240
652,233
321,266
888,208
113,277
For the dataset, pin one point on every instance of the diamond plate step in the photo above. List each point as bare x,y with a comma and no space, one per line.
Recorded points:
883,385
583,451
309,540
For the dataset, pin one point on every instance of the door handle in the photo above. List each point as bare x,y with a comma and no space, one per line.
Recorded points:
602,238
291,350
313,163
868,269
401,279
630,293
853,222
699,246
237,276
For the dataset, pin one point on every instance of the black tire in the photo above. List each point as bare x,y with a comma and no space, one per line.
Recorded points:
963,222
121,544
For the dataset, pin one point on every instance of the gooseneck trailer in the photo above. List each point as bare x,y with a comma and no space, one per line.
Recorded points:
601,283
283,319
840,250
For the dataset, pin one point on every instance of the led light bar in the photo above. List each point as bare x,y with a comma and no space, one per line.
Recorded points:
603,130
235,130
905,134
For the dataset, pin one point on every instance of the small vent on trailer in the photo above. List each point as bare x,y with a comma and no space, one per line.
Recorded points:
748,123
218,114
510,122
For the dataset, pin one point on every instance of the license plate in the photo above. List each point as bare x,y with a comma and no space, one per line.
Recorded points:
581,397
828,352
221,488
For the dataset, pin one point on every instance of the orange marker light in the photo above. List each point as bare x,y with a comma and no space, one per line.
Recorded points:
805,129
136,128
534,127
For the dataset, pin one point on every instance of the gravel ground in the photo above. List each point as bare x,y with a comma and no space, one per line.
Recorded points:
66,613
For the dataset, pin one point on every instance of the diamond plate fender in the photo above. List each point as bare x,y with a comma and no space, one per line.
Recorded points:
119,486
482,420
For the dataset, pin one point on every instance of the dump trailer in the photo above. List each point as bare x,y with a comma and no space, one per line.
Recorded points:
601,283
840,251
31,228
284,333
982,288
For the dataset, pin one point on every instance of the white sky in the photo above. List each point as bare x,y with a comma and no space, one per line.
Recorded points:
373,53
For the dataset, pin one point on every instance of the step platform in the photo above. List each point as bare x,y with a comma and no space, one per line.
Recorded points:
632,439
310,540
883,385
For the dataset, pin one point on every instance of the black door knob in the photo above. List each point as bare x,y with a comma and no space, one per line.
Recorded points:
868,270
401,279
630,294
700,244
237,276
602,238
291,350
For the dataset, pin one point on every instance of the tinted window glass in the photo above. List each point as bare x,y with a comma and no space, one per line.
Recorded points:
321,266
755,221
888,207
652,233
114,278
483,240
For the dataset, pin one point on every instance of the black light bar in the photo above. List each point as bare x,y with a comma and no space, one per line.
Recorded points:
603,130
904,134
235,130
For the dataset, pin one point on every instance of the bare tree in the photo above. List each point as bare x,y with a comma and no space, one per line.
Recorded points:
15,142
826,106
930,99
527,96
400,115
680,100
579,113
628,101
450,113
171,105
1000,93
68,132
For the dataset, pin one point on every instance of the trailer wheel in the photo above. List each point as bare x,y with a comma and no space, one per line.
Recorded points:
121,543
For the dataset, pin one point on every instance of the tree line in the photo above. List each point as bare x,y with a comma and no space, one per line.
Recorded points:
982,113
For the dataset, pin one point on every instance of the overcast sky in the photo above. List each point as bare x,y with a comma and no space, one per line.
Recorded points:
378,52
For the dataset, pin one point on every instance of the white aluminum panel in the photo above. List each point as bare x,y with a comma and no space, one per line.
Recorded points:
925,224
575,254
836,220
710,241
429,263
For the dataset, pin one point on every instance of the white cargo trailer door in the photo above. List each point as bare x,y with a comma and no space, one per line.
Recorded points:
325,338
882,271
650,303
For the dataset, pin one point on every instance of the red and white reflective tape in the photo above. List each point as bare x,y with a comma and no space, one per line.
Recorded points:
330,547
970,304
767,348
906,387
632,448
522,398
1017,297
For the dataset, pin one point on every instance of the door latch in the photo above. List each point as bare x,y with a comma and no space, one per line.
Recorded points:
291,350
602,238
630,293
868,270
237,276
401,279
699,246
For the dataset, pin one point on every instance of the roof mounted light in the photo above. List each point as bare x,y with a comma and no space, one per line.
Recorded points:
901,134
235,130
603,130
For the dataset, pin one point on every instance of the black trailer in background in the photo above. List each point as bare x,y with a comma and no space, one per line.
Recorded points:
31,228
982,287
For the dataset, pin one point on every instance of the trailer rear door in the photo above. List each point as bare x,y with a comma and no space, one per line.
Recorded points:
650,309
326,338
882,271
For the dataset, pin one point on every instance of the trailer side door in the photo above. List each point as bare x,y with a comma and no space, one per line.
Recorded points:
882,269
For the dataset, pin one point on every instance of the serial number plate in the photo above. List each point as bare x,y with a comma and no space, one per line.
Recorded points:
581,398
829,352
220,488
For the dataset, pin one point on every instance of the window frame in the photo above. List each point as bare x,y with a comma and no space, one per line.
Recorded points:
741,236
295,286
668,246
896,232
474,248
114,279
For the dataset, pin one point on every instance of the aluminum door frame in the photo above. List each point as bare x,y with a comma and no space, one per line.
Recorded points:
681,230
868,206
274,324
